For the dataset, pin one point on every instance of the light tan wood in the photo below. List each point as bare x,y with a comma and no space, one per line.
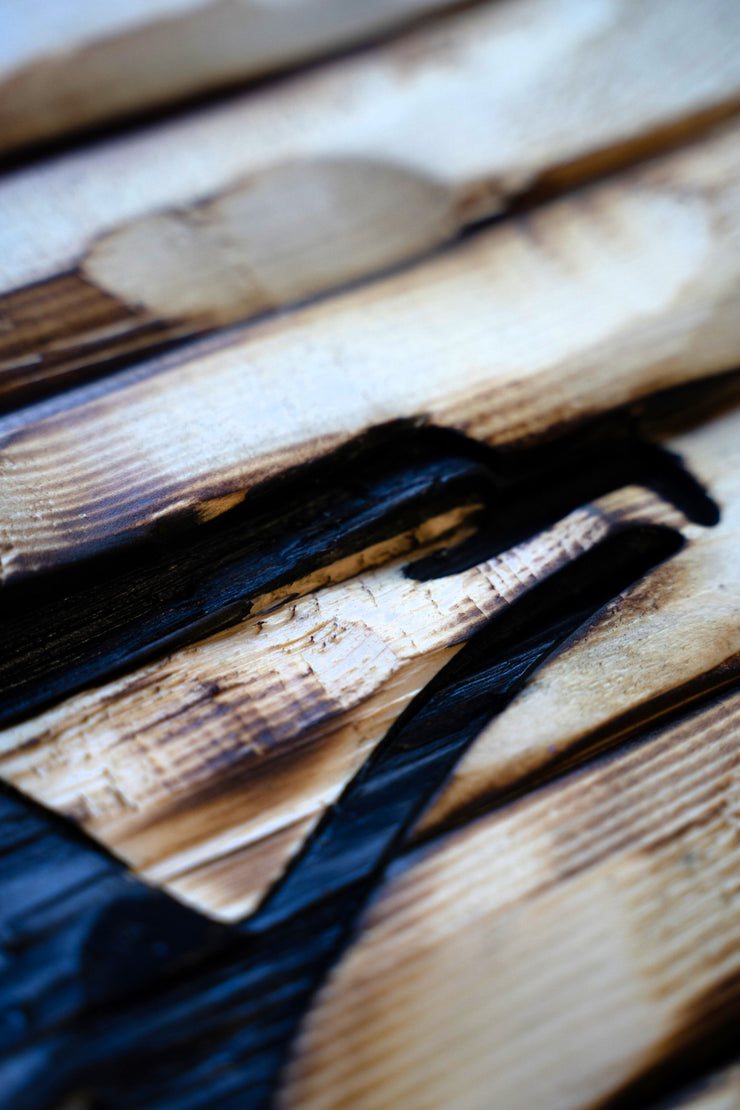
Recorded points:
342,172
720,1092
551,954
565,917
678,631
476,106
207,770
590,302
66,64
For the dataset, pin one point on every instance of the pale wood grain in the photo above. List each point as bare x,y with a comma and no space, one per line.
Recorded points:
497,94
549,955
207,770
678,629
588,303
66,64
338,174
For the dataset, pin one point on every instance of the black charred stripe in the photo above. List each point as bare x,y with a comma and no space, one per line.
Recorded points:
219,1034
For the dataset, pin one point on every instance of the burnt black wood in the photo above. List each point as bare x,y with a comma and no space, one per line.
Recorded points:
65,630
108,986
217,1033
75,928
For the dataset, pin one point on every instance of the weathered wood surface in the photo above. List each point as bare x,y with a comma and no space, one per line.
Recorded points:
111,252
68,65
112,1041
551,954
212,1032
218,661
589,303
207,771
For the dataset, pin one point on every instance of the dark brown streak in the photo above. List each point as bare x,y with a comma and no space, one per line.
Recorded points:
708,1041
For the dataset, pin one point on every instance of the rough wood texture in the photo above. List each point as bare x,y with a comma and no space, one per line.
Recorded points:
206,771
676,635
548,955
217,659
62,897
68,64
347,171
221,1029
588,303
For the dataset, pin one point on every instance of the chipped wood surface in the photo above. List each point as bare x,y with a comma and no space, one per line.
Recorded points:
207,770
548,955
590,302
348,170
68,65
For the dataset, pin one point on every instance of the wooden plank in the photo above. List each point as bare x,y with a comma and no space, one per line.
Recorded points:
563,952
588,303
207,770
678,632
551,954
66,65
111,252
